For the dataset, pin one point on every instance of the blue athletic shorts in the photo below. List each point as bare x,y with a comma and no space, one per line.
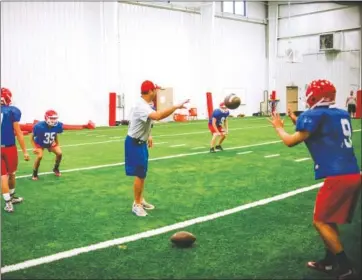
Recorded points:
136,158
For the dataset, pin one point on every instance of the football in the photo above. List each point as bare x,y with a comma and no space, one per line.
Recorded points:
183,239
232,101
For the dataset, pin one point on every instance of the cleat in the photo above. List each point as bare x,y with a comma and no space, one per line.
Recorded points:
9,207
16,199
147,205
322,266
212,150
57,172
344,274
138,210
218,147
35,175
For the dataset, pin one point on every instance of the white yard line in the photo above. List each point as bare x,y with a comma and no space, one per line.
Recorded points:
151,159
302,159
270,156
81,144
197,148
246,152
178,145
207,131
121,138
150,233
158,143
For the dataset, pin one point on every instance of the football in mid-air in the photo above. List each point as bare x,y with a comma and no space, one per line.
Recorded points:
232,101
183,239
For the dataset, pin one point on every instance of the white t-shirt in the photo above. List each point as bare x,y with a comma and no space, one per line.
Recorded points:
139,122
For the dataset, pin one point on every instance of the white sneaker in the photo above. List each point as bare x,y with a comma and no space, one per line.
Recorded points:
138,210
147,205
16,199
9,207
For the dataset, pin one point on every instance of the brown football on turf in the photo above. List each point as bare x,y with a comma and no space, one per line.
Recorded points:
232,101
183,239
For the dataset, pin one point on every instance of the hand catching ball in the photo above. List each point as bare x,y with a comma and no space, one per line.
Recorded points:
232,101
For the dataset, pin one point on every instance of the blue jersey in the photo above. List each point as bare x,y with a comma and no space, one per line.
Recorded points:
9,115
220,116
44,135
330,141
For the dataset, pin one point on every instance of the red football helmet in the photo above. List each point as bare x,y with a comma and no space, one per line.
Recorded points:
223,107
51,117
320,93
6,96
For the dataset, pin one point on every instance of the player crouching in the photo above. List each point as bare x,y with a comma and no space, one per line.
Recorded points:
216,122
45,136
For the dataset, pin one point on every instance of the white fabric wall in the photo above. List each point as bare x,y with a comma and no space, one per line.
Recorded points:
240,62
191,53
301,33
160,45
69,56
52,59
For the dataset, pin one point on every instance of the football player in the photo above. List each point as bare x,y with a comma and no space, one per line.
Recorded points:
45,136
218,119
10,117
327,133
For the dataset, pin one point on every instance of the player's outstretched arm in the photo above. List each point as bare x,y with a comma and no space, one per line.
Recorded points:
159,115
20,136
289,140
292,140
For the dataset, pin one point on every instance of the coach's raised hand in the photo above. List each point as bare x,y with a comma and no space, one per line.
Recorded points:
162,114
182,104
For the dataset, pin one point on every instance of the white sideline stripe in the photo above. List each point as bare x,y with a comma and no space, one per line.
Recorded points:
158,143
100,135
121,138
178,145
173,123
150,233
247,152
80,144
302,159
197,148
151,159
269,156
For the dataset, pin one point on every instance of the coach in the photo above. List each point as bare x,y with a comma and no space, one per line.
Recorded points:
139,139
